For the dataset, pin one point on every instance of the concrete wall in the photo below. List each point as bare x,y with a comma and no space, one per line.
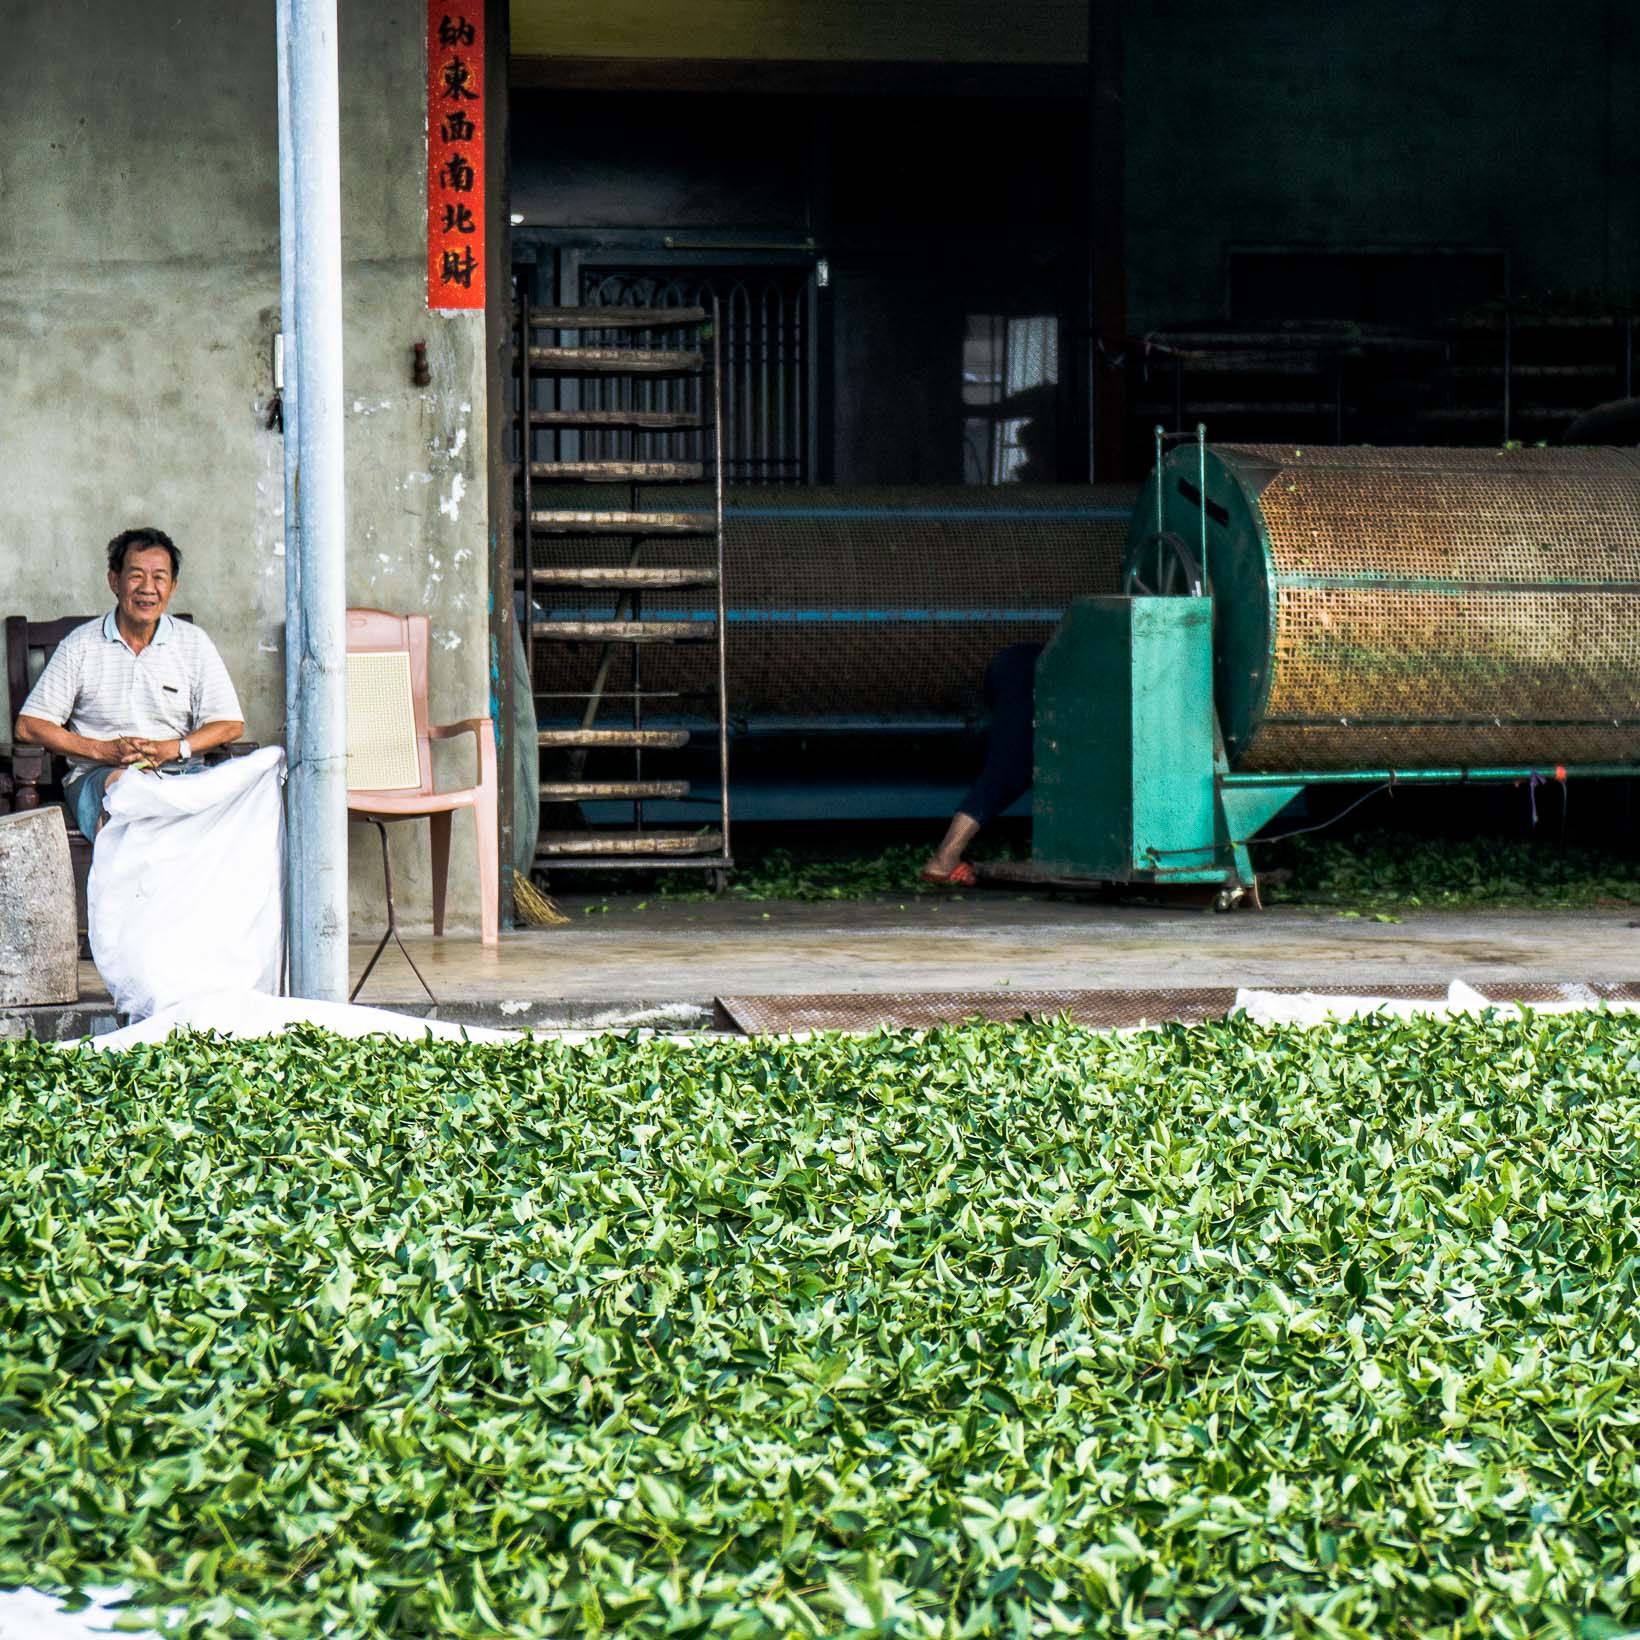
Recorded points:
1400,123
139,295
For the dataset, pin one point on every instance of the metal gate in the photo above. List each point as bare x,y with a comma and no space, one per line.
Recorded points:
766,345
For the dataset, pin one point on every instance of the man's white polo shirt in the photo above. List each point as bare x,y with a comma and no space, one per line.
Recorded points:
99,688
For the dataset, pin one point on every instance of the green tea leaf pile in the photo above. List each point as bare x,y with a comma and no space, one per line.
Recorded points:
1385,870
817,874
1006,1330
1374,871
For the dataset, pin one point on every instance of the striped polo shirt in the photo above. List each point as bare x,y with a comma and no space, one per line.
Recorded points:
98,687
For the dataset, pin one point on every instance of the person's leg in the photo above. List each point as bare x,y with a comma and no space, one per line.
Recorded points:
964,828
84,797
1010,748
113,777
1010,687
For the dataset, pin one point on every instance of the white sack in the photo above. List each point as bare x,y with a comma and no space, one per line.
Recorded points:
187,880
250,1014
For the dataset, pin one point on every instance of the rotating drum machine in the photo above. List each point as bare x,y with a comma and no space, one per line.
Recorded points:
1299,618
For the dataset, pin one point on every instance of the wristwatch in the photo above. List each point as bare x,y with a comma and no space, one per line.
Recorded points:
184,750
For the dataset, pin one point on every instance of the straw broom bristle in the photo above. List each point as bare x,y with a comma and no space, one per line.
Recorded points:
534,907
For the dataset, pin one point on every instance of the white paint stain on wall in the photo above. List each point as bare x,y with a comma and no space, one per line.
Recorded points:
450,505
268,544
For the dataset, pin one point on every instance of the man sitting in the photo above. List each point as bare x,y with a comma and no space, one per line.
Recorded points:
133,688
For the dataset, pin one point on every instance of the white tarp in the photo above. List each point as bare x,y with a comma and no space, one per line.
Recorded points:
251,1014
26,1614
187,878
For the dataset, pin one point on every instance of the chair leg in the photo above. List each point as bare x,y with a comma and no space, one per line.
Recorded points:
392,928
489,869
440,825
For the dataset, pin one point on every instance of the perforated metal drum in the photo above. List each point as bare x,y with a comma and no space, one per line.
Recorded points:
1411,608
862,607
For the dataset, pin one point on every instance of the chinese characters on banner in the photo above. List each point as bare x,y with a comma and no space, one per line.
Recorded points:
455,154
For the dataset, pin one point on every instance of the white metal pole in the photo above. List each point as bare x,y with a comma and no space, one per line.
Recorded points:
288,389
319,769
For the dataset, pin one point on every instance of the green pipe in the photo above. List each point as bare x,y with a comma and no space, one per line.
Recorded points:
1432,777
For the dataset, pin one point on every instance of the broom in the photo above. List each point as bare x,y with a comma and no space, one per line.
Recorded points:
534,907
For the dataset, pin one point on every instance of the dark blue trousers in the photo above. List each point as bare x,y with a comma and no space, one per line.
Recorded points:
1010,692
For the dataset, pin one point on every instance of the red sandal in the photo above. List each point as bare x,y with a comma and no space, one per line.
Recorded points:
961,875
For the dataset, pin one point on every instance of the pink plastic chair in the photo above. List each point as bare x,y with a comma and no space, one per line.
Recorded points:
389,745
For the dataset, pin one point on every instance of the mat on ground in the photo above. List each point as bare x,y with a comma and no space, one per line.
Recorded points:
1316,1008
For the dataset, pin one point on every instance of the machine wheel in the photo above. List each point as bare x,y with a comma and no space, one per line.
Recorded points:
1238,897
1163,567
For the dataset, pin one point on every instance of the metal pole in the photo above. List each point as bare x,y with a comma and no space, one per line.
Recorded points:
722,594
1508,364
1161,501
1201,481
318,778
288,386
1434,777
1160,514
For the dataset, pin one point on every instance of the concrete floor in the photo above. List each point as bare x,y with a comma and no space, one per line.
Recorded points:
666,962
615,958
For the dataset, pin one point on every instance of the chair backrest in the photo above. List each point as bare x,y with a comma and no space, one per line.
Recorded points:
30,645
387,745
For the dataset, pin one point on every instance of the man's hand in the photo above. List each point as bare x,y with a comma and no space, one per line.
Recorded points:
127,749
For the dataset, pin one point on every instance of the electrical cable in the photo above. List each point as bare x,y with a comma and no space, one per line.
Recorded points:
1304,831
1280,836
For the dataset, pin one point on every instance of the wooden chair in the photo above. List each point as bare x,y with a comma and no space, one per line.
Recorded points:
32,779
390,765
35,780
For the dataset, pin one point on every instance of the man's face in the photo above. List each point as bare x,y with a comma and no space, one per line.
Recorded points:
144,586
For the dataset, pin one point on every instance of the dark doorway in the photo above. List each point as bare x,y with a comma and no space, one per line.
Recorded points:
902,278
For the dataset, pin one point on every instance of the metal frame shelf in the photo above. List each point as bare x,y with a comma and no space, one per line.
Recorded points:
613,390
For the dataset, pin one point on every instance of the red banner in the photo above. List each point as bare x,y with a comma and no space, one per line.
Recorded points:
455,153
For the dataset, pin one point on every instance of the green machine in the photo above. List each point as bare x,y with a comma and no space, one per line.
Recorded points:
1368,617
